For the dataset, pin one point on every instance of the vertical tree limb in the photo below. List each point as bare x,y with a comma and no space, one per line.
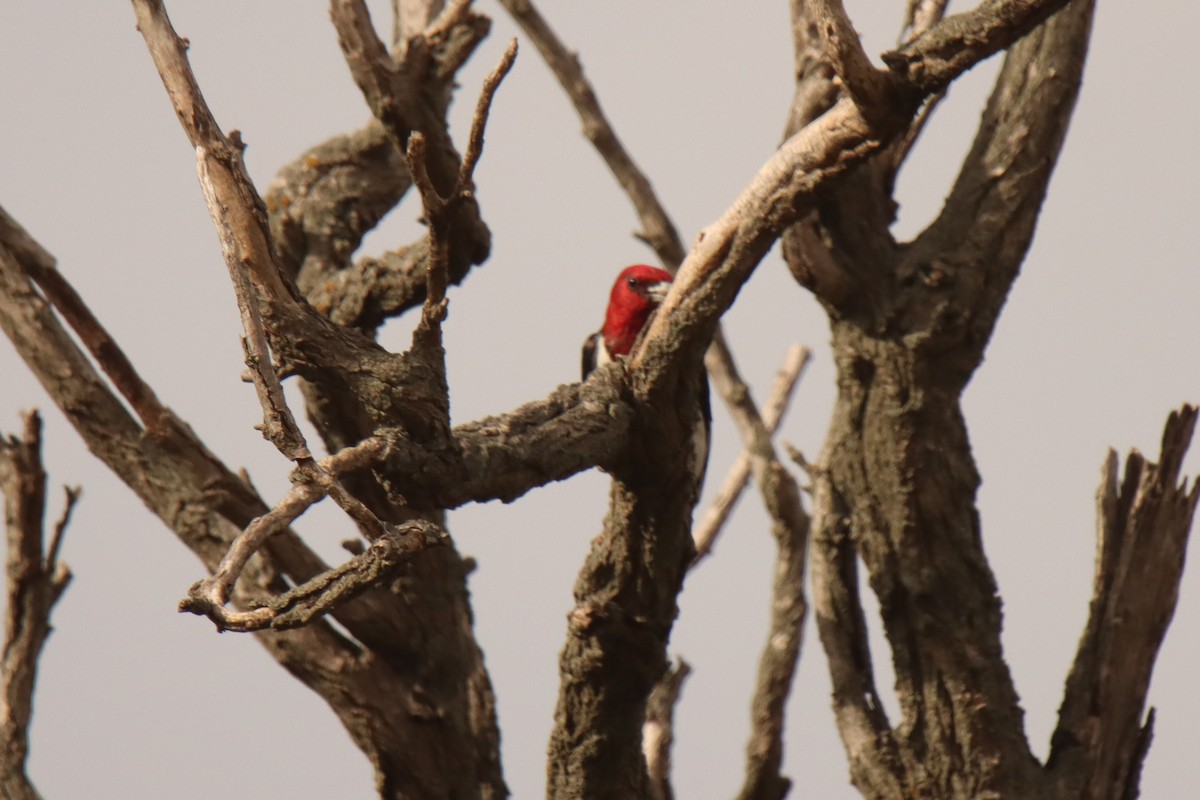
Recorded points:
1143,524
35,580
658,732
896,484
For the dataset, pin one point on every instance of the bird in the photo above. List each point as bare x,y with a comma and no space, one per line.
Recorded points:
636,294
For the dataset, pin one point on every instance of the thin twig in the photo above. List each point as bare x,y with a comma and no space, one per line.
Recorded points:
709,527
279,426
657,229
483,109
781,654
919,17
439,208
325,592
903,146
211,594
71,497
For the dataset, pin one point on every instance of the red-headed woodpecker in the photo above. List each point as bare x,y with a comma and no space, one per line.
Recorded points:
637,293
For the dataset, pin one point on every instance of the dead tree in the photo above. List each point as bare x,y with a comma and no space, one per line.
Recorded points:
894,488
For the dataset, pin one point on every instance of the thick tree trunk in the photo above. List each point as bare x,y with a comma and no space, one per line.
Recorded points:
899,492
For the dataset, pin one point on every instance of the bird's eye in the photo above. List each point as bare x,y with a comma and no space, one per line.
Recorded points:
632,282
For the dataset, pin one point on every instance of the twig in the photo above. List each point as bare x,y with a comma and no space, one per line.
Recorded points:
439,209
738,477
210,595
658,732
900,149
657,228
919,17
71,495
234,204
35,583
324,593
279,426
483,108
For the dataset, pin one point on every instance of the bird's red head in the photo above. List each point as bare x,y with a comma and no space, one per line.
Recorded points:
637,292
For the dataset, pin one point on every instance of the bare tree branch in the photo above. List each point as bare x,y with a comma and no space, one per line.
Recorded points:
920,16
393,92
786,380
239,214
876,765
658,732
210,595
869,87
932,60
439,209
789,526
1143,524
40,266
657,229
206,505
326,592
35,582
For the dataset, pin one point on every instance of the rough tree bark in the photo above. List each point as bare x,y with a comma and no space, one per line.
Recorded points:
36,580
894,488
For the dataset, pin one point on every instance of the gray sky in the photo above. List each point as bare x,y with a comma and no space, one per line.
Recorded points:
1096,345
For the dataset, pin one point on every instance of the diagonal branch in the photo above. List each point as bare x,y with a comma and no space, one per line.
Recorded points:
40,266
239,213
872,89
949,48
657,229
205,504
1004,179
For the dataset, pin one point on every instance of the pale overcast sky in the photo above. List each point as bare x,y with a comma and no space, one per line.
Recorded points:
1096,345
